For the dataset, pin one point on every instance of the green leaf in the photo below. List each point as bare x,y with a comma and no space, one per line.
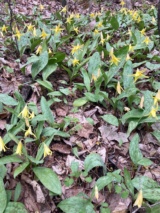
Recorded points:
80,102
40,64
128,182
93,160
49,179
132,125
17,191
103,181
15,207
7,100
10,159
3,171
46,84
3,196
94,64
20,169
127,72
49,69
86,79
156,134
134,150
47,111
76,205
111,119
114,23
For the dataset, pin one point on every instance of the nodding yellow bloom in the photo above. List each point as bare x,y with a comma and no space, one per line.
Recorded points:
64,9
49,51
2,145
119,88
96,31
19,148
143,31
100,24
138,19
139,199
128,57
141,102
153,112
147,40
25,112
76,48
114,60
31,115
30,27
29,132
69,20
95,77
122,3
92,15
96,193
41,7
77,15
47,151
43,34
102,39
58,29
131,48
139,74
34,32
76,29
18,34
129,32
39,50
108,37
157,97
75,62
4,28
153,20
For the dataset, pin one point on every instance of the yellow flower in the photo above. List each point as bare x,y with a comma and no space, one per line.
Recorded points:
147,40
102,39
119,88
18,34
41,7
30,27
139,74
47,151
141,102
77,15
58,29
96,31
64,9
96,193
139,199
4,28
25,112
76,48
139,19
143,31
153,20
131,48
69,20
157,97
19,148
75,62
114,60
100,24
43,34
31,115
34,32
108,37
2,145
122,3
94,77
49,51
76,29
92,15
39,50
128,57
153,112
29,132
129,32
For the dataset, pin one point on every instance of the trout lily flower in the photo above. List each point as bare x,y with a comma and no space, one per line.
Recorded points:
30,27
43,34
19,148
122,3
139,199
76,48
29,132
139,74
47,150
2,145
4,28
58,29
25,112
146,40
119,88
18,34
153,112
64,9
39,50
75,62
157,97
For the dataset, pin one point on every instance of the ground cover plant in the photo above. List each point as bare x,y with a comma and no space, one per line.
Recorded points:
79,108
